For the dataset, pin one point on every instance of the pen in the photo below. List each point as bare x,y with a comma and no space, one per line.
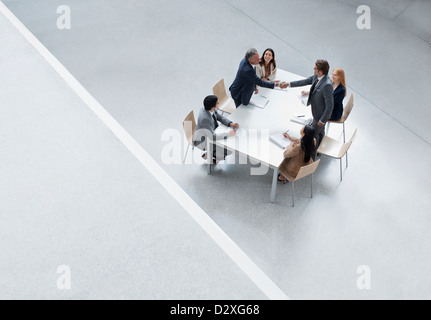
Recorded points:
301,116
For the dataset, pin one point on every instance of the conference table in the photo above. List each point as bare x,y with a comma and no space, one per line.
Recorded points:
258,124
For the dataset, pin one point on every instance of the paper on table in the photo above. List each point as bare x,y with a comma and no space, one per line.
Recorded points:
302,120
258,101
280,140
304,99
224,129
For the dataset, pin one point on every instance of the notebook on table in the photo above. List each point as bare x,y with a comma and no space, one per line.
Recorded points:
280,140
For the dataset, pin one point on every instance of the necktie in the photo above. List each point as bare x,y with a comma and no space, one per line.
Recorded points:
215,121
312,90
314,85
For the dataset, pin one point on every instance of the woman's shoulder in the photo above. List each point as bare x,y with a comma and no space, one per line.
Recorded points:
341,88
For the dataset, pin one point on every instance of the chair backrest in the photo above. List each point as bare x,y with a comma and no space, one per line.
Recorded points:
345,146
348,108
189,125
219,90
307,170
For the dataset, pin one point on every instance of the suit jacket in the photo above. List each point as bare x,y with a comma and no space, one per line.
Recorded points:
245,82
260,71
205,128
293,161
321,99
339,94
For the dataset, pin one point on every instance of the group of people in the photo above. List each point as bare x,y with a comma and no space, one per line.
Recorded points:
325,97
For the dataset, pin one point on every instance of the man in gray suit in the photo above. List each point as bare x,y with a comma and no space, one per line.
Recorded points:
320,97
206,126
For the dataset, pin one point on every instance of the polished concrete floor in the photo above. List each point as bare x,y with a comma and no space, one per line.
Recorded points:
149,63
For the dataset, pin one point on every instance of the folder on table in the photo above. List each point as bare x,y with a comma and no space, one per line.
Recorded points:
259,101
304,99
302,120
280,140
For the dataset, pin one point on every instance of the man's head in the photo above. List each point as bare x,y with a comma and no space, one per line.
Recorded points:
321,68
252,56
210,103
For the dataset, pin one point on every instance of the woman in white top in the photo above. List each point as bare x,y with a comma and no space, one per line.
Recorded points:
267,68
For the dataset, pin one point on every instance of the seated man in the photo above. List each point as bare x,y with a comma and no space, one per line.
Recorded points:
206,126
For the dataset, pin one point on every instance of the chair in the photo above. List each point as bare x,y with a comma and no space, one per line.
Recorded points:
303,172
336,149
226,103
189,125
346,112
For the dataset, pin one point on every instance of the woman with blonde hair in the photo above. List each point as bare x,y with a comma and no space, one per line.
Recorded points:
339,84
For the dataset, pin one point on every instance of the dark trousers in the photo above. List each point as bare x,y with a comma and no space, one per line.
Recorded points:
319,134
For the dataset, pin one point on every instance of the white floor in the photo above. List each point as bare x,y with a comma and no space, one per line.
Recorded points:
149,64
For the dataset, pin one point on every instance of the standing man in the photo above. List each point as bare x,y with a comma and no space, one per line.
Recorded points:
206,126
320,97
246,79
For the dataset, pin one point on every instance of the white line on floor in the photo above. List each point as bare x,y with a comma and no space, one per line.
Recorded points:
271,290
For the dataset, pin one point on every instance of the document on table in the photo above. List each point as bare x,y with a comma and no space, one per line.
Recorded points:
280,140
302,119
224,129
304,99
259,101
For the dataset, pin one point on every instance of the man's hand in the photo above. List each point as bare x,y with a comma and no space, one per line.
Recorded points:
256,91
232,133
305,93
234,125
284,85
320,124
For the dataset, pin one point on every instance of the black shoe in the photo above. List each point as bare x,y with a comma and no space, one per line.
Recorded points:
280,180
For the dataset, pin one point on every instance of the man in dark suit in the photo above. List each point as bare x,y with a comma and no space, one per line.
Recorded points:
320,97
246,79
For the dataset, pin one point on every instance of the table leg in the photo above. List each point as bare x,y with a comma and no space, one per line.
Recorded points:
274,185
209,156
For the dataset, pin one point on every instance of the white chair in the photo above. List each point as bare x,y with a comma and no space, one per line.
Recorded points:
336,149
226,103
303,172
346,112
189,125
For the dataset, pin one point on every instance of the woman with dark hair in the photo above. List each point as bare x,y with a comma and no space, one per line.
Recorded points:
299,153
267,68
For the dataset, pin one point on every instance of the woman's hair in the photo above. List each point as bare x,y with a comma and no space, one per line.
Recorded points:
340,74
307,143
262,60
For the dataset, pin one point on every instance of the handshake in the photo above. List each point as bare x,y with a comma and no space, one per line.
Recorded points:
282,85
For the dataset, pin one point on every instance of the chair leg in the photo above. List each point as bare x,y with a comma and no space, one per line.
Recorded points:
341,169
293,193
347,155
188,146
311,185
344,132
